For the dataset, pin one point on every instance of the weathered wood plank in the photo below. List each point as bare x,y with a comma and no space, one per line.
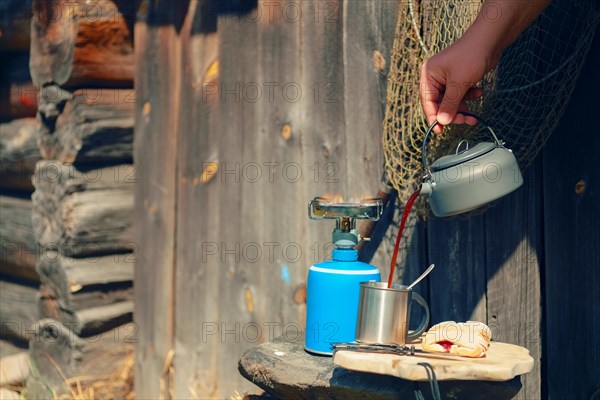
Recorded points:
368,34
19,251
514,256
52,100
88,321
571,243
57,353
18,310
80,43
273,125
202,194
321,126
87,295
95,127
320,123
157,131
84,212
458,285
18,153
72,275
283,369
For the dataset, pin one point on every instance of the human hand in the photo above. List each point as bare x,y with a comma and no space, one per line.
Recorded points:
448,78
448,81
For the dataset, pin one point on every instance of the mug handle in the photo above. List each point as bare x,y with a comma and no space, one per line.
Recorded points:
424,321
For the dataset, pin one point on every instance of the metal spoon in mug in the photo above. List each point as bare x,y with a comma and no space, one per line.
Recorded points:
423,275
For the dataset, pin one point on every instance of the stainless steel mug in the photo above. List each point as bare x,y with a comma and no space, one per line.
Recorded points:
384,314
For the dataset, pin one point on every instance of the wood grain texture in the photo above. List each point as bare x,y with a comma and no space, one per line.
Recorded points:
19,251
84,212
79,43
18,153
284,370
157,115
458,285
292,133
502,362
514,253
95,127
18,309
88,295
88,321
201,298
571,242
368,33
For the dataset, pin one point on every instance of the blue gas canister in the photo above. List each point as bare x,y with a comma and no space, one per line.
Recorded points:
333,286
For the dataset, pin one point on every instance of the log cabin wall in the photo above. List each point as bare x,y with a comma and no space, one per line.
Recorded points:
19,281
81,63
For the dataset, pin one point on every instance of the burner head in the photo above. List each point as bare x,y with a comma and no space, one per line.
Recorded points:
327,208
345,234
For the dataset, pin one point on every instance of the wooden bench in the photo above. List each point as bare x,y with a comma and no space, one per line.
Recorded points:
284,370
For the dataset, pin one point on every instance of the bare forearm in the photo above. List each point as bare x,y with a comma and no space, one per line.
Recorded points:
499,23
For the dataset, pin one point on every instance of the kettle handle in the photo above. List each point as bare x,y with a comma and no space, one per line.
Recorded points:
430,129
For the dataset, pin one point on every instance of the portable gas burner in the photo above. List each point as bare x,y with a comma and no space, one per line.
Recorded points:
333,286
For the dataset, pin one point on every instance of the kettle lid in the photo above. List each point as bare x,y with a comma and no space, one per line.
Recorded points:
463,156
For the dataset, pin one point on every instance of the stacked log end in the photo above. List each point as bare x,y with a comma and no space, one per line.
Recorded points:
19,281
82,43
18,153
82,61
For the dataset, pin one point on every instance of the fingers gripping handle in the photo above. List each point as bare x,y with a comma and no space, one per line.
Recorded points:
430,129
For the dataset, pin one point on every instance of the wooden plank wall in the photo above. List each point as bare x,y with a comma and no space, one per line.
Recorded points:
156,136
269,103
489,270
571,240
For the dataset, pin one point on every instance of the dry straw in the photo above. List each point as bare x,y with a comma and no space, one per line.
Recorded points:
118,385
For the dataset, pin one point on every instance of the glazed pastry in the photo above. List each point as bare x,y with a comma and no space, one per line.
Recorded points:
468,339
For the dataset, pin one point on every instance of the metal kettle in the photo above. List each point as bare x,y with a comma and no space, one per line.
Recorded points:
471,177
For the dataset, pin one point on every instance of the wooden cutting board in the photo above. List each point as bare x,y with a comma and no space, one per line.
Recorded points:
502,362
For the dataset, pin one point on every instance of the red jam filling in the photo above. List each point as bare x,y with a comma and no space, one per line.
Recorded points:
446,345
